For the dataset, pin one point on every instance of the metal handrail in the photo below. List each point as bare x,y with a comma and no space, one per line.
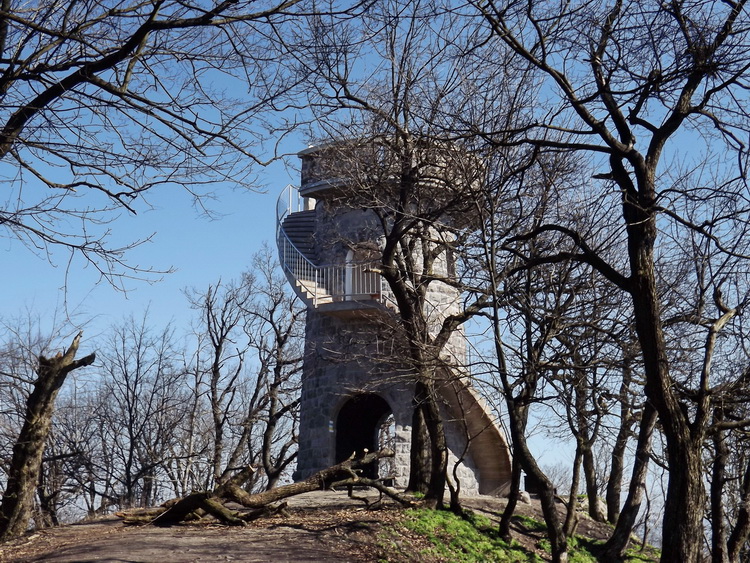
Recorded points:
291,200
326,283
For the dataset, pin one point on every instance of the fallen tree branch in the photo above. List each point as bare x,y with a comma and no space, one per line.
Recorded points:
200,503
358,481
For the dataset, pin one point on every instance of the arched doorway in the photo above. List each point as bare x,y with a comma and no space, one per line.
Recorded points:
363,423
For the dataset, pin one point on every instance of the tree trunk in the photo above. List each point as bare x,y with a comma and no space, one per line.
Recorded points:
557,538
682,530
617,464
718,478
571,518
419,466
344,473
48,517
614,481
741,531
510,508
592,489
23,473
615,547
425,395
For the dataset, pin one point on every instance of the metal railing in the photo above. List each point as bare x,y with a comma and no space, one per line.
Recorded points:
306,276
289,201
353,281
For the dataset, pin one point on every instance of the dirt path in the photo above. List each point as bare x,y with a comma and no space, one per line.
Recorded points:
109,541
341,532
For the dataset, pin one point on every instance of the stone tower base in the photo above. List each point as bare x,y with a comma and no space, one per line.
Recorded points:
357,394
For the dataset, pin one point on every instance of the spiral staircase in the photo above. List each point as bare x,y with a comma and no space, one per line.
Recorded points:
318,285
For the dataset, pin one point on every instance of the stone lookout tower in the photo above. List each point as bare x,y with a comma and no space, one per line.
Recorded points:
356,390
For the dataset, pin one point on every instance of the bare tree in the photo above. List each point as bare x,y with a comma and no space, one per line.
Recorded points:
529,312
24,468
627,416
274,326
250,364
224,369
593,376
138,408
624,80
522,379
102,104
67,486
145,430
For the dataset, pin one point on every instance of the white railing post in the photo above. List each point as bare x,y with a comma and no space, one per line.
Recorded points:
317,285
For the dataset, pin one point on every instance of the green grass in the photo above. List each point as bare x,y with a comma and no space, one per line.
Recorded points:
649,554
530,524
464,540
474,539
582,549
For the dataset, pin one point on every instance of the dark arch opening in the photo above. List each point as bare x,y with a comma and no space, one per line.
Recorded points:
358,427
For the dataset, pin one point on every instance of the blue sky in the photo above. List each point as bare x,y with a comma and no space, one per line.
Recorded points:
200,250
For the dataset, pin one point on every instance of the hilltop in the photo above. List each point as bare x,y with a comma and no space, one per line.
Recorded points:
322,526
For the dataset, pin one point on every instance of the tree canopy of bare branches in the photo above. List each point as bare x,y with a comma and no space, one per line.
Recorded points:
654,95
102,102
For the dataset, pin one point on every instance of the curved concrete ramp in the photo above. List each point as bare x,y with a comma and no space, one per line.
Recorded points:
487,445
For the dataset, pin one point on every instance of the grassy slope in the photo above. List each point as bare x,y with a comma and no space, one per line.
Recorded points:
441,536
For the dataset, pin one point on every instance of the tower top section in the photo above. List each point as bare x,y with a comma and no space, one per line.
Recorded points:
331,167
423,173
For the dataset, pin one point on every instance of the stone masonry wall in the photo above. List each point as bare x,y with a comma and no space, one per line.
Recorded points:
346,355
